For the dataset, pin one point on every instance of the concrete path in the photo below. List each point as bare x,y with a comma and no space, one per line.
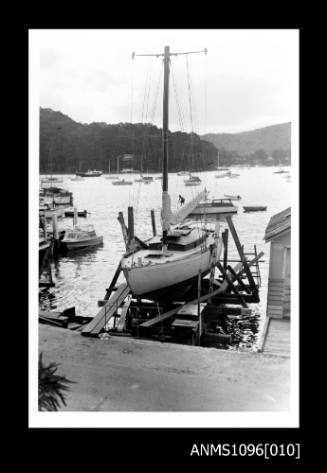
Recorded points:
125,374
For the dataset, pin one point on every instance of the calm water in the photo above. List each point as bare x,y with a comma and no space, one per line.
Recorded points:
82,276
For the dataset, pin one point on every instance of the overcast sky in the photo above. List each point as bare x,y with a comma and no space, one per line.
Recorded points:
248,79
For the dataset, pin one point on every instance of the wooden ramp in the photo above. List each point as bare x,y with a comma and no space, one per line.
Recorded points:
106,312
278,337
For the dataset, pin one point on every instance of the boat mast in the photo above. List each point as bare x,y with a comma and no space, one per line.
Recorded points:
165,196
165,131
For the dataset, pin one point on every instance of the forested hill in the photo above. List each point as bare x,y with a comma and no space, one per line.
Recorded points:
67,146
268,139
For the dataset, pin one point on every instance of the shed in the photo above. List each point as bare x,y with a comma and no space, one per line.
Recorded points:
278,232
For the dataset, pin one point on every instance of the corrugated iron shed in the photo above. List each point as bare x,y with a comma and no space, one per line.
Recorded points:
278,224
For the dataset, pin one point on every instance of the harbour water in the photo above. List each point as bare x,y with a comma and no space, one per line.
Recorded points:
81,277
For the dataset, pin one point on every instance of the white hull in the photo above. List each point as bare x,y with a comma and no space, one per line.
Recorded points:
151,279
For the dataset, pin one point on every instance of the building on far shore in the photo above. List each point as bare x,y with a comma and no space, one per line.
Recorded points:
278,232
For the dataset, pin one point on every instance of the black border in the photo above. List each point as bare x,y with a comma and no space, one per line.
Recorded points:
164,444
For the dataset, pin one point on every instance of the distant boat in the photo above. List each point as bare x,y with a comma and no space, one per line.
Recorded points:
110,176
281,171
221,169
51,179
215,207
183,173
56,195
81,237
257,208
47,211
192,181
144,179
77,178
122,182
90,173
233,175
233,197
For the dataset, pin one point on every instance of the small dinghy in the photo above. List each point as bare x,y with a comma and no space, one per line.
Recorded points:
257,208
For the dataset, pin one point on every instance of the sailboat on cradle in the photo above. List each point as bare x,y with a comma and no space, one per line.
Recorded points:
166,266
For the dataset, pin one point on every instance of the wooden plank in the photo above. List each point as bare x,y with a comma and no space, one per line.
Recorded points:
160,318
193,324
122,319
107,311
113,282
239,280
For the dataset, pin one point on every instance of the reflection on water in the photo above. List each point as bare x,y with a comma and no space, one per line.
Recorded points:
82,276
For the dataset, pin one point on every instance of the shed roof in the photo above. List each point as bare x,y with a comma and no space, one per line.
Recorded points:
279,223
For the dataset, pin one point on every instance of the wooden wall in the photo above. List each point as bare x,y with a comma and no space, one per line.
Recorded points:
279,282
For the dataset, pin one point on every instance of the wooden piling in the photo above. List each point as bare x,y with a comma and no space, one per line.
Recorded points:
113,282
130,211
123,228
56,242
225,242
153,221
75,217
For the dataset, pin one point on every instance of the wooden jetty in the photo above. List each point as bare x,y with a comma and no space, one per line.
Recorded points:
65,319
276,337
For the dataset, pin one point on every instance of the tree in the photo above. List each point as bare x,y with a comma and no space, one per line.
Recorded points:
51,386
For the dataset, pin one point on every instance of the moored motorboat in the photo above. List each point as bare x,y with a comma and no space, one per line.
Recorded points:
254,208
81,237
215,207
89,173
56,195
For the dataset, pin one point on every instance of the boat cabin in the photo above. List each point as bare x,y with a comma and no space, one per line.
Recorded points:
278,233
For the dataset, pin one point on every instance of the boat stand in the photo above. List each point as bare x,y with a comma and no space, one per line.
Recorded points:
190,320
